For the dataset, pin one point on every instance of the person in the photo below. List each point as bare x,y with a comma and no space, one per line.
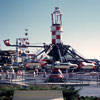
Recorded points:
36,70
44,75
34,74
1,72
12,72
19,73
7,74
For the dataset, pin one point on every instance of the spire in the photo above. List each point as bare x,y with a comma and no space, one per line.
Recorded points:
56,27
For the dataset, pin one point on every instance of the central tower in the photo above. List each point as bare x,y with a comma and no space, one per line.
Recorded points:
56,27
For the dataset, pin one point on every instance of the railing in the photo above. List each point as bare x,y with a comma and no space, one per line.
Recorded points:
28,78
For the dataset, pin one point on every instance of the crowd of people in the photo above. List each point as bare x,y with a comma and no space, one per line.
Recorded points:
10,73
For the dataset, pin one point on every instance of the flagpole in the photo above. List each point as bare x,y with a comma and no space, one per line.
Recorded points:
16,50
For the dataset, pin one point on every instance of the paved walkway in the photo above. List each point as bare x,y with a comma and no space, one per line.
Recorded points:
92,90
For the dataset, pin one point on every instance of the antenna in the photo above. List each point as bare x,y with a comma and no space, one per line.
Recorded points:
0,46
26,32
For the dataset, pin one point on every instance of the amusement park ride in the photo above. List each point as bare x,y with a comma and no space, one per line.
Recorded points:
56,50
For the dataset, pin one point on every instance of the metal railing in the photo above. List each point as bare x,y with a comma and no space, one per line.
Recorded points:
28,78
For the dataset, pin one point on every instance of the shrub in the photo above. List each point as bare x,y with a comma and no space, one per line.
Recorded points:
70,93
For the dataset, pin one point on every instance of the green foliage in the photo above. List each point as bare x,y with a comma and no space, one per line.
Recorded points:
44,87
6,93
69,93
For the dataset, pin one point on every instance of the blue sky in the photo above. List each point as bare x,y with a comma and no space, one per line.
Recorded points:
81,23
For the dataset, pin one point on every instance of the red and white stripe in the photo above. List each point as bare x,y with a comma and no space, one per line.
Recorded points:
56,33
87,65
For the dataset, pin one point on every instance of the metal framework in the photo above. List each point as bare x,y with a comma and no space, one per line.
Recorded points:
57,50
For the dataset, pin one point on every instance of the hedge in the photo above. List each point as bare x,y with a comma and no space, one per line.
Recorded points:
69,93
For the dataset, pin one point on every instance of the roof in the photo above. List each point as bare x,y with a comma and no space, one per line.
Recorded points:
38,95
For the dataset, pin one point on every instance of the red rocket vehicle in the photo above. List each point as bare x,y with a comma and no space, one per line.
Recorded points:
56,76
